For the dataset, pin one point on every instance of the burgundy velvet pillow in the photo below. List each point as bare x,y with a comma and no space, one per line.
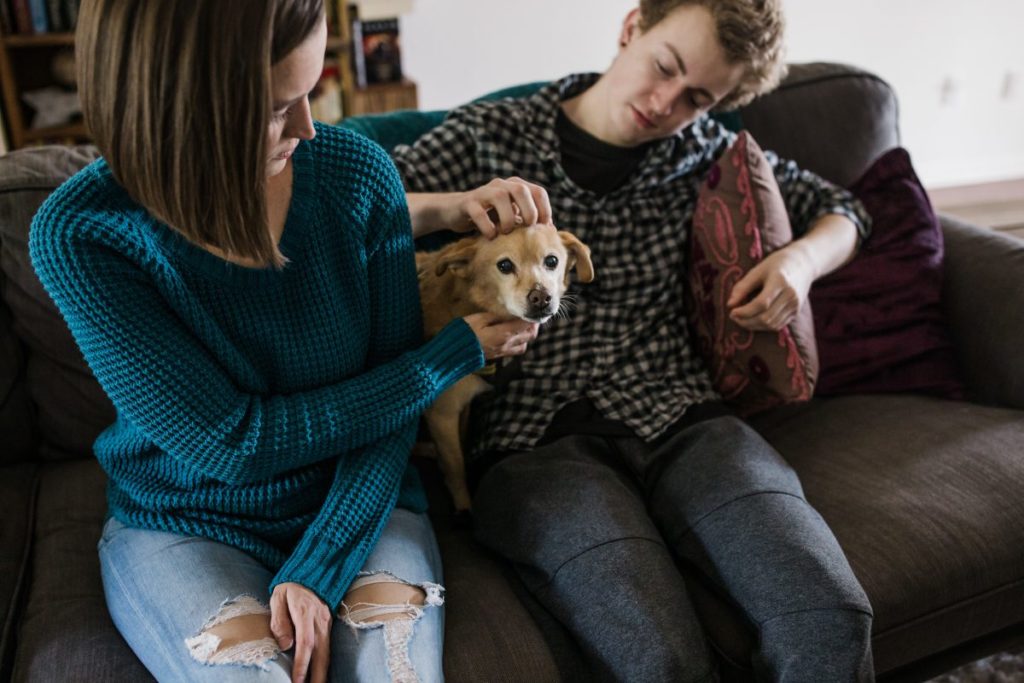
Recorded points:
878,320
741,218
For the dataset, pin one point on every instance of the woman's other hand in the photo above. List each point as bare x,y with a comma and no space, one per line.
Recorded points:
500,337
298,616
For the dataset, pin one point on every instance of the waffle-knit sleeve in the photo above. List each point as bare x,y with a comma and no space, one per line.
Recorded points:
160,377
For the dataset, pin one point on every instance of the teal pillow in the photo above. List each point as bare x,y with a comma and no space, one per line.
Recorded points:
401,127
405,126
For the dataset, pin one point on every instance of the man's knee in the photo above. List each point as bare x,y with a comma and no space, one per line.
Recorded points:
714,463
539,512
817,645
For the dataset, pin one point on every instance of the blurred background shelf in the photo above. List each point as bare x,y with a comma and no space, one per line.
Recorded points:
28,63
998,205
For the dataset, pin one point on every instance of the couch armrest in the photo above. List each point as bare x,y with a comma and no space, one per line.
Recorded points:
983,290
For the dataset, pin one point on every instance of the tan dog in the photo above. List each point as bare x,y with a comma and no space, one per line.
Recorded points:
523,274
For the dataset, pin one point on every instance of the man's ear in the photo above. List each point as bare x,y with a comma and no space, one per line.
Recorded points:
579,258
630,27
456,257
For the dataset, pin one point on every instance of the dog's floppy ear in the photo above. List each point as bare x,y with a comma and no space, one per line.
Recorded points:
455,257
579,258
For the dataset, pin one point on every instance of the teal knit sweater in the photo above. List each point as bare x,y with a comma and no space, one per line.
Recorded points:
272,410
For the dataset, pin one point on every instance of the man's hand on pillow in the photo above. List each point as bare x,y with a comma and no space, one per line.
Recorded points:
770,294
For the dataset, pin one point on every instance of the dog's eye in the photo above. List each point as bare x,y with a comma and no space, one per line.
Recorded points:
551,262
506,266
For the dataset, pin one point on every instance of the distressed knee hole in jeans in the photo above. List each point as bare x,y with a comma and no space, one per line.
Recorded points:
382,600
239,633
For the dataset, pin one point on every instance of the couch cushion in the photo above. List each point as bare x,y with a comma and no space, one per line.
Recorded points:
15,404
831,119
924,495
66,633
481,608
71,408
983,289
17,502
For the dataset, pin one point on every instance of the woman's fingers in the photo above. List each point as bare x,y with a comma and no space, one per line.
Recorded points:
479,217
305,640
321,651
505,204
514,336
298,615
280,620
501,337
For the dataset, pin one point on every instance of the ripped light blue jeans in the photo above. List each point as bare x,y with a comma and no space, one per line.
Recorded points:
164,589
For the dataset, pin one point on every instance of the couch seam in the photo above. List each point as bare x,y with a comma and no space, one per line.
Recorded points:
821,78
7,636
25,187
892,630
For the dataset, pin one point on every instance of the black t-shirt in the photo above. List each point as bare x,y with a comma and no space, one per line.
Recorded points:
594,164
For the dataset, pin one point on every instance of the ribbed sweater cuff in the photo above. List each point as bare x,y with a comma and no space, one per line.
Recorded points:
452,354
327,575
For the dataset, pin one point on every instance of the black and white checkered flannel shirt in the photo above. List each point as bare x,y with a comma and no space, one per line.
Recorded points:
625,345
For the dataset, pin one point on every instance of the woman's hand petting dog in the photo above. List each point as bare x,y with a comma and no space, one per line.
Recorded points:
514,202
501,337
499,207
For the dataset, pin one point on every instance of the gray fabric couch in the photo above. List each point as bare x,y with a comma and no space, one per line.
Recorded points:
924,495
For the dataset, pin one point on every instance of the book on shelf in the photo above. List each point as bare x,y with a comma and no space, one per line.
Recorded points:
55,13
376,49
30,17
356,35
382,54
40,20
70,8
6,18
22,16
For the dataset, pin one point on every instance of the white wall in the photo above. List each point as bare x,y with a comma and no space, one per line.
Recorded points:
957,66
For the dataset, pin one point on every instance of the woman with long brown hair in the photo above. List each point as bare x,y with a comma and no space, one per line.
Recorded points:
241,281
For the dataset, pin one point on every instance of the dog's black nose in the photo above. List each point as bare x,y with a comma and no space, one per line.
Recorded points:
538,298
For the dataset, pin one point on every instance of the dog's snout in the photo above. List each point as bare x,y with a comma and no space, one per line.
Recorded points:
538,298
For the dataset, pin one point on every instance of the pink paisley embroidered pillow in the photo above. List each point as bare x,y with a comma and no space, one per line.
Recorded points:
741,218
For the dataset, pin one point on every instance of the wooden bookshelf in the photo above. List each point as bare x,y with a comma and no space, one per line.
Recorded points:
25,65
374,99
41,40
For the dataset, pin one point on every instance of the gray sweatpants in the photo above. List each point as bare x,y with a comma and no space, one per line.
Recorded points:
595,525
